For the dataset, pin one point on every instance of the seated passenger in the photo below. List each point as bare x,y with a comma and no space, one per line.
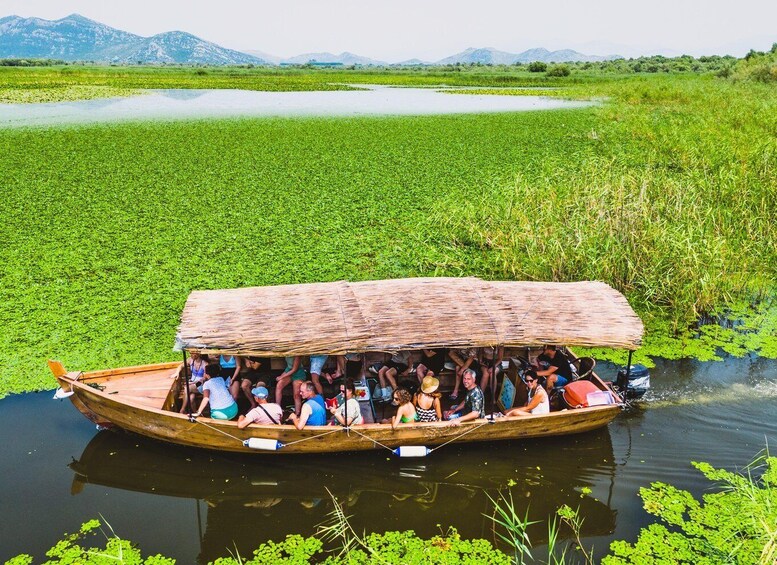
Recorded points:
265,413
216,393
538,402
312,411
295,374
195,369
431,361
427,401
398,365
473,405
465,359
229,369
555,367
406,412
350,409
248,377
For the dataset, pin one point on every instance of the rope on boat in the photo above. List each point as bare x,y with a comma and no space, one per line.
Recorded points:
322,434
376,442
347,430
461,435
196,421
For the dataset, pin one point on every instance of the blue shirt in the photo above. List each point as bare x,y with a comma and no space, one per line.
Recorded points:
317,413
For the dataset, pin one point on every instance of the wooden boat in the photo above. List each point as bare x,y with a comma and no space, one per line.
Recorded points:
366,317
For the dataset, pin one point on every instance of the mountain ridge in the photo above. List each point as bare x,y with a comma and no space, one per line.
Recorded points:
78,38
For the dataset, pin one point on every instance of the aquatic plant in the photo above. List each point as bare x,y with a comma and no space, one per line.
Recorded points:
736,524
667,192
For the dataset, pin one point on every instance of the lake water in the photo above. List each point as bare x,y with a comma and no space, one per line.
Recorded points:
58,472
196,104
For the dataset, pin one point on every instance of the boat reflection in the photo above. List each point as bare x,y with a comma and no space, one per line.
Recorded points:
244,500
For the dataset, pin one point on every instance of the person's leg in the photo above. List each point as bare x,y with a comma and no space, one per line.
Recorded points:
234,388
186,408
317,383
420,371
456,384
382,382
391,376
245,386
551,382
295,386
279,386
486,378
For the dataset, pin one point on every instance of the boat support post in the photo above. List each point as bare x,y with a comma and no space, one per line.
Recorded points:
628,367
185,385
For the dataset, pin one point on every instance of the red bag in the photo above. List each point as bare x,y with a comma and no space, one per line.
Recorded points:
576,392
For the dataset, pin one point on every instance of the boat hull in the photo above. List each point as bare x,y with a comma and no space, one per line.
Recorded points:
119,404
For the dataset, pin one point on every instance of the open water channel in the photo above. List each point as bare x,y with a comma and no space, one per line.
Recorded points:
196,104
58,471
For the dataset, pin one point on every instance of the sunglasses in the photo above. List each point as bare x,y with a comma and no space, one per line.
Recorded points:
530,380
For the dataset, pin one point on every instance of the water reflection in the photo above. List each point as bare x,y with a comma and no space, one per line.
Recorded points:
244,500
198,104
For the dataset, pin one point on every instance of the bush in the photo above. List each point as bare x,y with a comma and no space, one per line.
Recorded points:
559,71
537,67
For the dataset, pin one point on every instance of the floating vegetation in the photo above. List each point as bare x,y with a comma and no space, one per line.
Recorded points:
63,93
667,192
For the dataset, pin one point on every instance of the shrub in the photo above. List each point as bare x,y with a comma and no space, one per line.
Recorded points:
559,71
537,67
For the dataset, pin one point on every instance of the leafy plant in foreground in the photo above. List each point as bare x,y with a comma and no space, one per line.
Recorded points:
738,524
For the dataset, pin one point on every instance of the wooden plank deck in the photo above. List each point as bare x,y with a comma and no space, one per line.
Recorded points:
149,388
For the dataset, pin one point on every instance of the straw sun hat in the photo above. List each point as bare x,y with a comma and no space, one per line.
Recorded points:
429,384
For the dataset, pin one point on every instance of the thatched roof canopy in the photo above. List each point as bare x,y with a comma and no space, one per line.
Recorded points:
401,314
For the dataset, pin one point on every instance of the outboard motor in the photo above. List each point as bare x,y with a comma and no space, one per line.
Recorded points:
633,383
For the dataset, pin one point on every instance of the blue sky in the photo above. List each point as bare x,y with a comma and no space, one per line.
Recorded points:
431,29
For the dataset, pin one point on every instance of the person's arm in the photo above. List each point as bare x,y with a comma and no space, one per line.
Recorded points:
398,416
238,366
243,422
204,403
336,413
536,399
300,421
454,409
438,408
547,372
474,415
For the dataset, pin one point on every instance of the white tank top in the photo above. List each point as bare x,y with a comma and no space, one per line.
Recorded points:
544,406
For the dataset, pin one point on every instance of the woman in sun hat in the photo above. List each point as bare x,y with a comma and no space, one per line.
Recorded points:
427,401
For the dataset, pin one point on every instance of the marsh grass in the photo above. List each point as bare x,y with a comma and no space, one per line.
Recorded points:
673,203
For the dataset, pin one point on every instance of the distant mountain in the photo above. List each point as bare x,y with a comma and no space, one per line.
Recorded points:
412,62
265,56
344,58
491,56
485,56
76,38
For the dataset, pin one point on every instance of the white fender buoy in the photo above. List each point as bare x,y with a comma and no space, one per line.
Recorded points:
61,394
263,443
412,451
